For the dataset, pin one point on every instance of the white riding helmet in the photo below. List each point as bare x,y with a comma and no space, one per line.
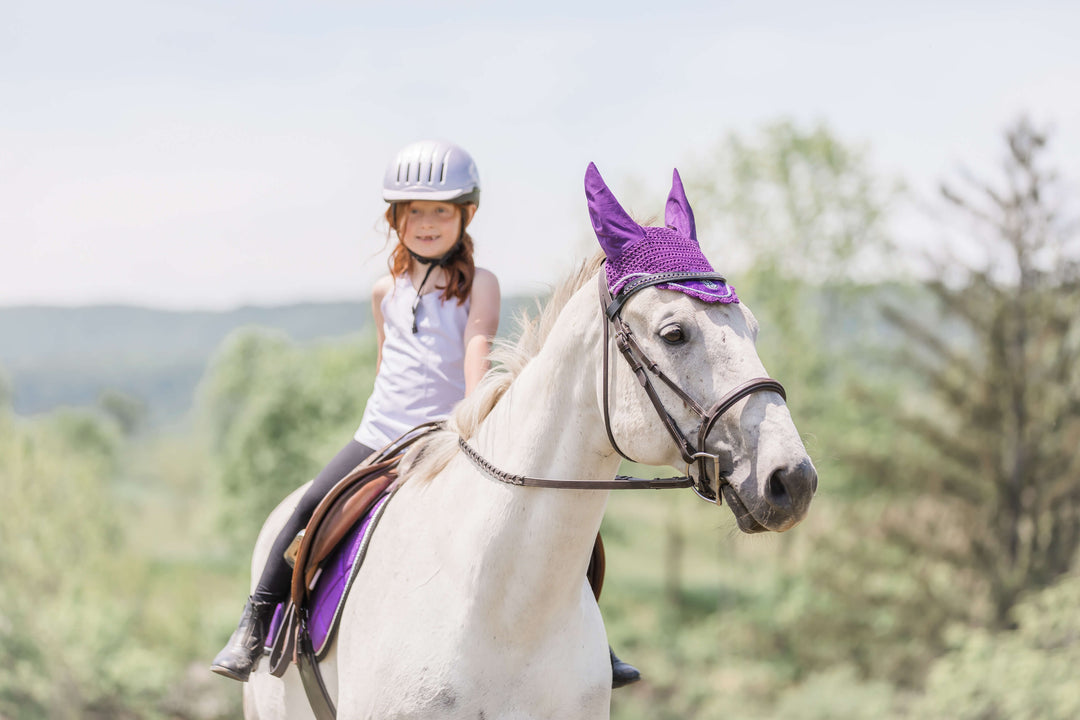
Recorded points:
432,170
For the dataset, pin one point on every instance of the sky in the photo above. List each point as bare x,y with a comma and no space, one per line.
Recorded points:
214,153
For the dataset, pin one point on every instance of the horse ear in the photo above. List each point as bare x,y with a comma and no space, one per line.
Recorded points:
614,228
677,213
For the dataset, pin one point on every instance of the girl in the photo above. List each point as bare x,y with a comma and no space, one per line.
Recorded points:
435,314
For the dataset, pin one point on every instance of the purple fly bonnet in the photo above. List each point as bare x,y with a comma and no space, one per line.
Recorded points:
635,252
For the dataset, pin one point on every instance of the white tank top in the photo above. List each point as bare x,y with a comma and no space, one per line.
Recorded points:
421,376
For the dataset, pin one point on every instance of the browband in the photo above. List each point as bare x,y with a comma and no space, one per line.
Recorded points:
658,279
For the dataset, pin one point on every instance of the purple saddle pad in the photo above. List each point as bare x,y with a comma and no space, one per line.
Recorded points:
333,581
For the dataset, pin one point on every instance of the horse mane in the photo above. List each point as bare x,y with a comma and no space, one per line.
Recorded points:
508,358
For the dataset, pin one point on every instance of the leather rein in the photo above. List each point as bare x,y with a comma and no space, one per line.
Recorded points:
642,366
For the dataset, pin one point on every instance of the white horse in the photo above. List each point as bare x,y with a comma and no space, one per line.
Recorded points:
472,600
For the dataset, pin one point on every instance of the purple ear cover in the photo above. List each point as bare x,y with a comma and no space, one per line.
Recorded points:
634,251
615,229
677,213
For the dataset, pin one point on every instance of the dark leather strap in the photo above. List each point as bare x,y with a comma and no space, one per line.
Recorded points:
314,685
725,403
638,361
606,380
620,482
284,649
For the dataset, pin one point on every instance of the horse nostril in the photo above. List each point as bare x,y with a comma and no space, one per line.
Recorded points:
778,492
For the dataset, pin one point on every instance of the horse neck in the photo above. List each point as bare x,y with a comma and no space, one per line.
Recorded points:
549,424
549,421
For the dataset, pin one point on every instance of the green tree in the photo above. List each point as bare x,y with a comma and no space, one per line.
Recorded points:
128,412
1026,673
276,413
978,491
806,218
795,202
70,643
5,391
1003,367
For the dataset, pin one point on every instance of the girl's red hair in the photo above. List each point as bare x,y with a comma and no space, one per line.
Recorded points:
459,269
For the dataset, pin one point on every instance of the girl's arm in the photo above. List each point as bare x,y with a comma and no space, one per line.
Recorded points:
382,286
482,324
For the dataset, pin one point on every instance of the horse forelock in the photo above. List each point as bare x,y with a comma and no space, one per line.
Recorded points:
508,358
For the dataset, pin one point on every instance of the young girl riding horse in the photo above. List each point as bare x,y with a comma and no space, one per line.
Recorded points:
435,315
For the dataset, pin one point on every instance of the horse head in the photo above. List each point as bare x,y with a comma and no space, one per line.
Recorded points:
697,394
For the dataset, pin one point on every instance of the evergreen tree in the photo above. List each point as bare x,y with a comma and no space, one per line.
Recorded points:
975,497
1002,420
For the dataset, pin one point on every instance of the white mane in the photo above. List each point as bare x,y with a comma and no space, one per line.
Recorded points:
508,358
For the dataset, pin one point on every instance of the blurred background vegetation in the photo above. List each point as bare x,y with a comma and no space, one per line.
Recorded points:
937,391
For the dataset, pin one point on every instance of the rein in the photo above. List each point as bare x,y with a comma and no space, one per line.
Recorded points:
620,482
642,366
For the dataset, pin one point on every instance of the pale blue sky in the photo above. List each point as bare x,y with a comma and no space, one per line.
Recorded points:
212,153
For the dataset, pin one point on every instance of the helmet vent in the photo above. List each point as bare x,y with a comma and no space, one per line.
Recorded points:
432,170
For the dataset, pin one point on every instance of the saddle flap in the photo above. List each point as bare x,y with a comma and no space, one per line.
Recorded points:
342,517
342,507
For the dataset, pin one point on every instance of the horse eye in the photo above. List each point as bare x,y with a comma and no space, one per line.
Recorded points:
672,334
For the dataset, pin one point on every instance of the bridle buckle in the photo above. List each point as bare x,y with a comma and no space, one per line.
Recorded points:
701,484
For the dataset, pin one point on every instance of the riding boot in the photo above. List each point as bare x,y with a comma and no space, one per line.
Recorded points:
244,649
622,673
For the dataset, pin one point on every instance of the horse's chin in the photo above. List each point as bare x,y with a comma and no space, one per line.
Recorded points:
745,520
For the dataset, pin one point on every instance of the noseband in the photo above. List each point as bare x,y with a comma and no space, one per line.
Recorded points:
641,365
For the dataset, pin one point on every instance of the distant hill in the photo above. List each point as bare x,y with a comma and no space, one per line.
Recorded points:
68,356
57,356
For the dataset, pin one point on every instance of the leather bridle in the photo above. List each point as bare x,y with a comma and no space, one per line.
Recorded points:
642,366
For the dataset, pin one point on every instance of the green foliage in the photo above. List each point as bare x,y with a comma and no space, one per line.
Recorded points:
1027,673
275,413
127,412
5,391
796,201
984,472
803,212
67,599
837,693
730,629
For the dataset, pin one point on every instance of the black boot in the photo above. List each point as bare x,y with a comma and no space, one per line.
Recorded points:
244,649
622,673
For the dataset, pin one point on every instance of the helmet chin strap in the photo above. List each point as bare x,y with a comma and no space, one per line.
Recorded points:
432,263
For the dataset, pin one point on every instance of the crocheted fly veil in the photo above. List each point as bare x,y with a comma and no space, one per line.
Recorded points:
634,251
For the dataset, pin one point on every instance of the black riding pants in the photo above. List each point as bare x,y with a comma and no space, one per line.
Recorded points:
276,579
